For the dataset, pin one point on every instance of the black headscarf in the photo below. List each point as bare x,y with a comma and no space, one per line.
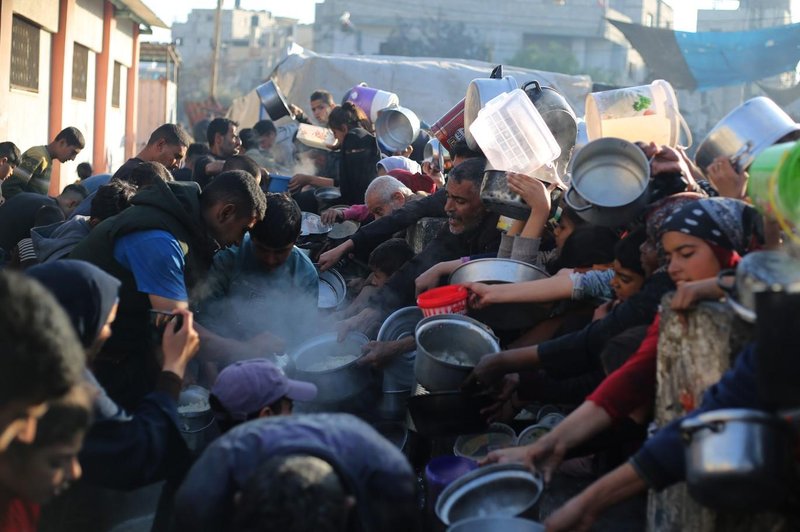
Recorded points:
86,292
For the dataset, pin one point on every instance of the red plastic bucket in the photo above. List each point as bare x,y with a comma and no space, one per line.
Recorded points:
450,299
449,129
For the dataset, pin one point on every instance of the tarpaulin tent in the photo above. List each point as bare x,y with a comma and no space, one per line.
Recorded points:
705,60
428,86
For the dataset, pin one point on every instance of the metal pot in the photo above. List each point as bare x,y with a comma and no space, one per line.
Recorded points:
449,346
342,231
506,490
609,182
397,127
272,100
312,363
737,459
559,117
498,198
434,154
196,419
398,375
311,225
332,289
326,196
760,271
496,524
745,132
509,316
479,92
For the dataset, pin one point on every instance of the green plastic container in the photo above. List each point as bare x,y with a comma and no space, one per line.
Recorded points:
774,184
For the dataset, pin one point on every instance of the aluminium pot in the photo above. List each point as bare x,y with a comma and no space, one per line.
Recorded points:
559,117
273,101
760,271
505,316
479,92
334,382
498,198
609,183
449,346
738,459
332,289
496,524
745,132
397,127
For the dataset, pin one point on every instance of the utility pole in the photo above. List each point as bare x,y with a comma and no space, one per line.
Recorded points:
215,58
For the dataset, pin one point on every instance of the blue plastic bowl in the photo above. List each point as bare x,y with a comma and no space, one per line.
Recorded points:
278,183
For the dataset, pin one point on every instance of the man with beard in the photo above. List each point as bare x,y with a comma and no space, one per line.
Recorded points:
224,142
470,230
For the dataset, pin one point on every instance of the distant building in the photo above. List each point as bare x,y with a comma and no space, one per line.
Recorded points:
72,63
505,26
159,64
251,44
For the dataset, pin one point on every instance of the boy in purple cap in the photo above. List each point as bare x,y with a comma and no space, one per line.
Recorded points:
255,388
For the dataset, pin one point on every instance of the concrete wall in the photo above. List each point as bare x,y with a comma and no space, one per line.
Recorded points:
121,52
39,11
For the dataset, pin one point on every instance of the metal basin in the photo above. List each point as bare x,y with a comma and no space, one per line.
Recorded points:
496,524
332,289
449,346
745,132
609,182
509,316
506,490
331,365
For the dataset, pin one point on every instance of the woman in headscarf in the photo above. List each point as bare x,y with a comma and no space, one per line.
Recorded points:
121,450
699,239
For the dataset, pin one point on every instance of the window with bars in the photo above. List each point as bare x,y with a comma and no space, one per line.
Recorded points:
24,55
80,72
115,87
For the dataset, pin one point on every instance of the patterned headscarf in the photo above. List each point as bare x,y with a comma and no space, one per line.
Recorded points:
659,211
723,222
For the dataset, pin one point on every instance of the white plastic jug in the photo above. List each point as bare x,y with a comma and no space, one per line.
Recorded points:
647,113
513,135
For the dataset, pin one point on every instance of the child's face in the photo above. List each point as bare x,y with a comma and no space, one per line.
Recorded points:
49,470
269,257
625,282
690,258
379,278
563,229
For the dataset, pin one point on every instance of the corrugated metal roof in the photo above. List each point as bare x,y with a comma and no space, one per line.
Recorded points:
140,13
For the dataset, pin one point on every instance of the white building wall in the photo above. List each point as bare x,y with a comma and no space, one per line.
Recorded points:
121,51
88,24
39,11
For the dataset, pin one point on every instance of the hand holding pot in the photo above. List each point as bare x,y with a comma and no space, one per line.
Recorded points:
530,189
481,295
332,216
328,259
430,278
728,182
179,345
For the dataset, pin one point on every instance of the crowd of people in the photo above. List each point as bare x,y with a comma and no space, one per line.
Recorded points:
182,268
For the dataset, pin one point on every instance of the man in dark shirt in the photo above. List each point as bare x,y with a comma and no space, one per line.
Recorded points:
17,214
224,142
167,145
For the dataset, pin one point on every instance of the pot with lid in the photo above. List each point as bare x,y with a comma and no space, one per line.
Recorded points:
737,459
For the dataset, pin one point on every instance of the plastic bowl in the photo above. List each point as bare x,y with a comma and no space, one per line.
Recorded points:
450,299
278,183
477,446
531,434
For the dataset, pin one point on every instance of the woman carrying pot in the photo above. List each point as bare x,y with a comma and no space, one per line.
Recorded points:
699,240
360,155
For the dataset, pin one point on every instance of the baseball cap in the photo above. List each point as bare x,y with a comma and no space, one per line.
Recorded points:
247,386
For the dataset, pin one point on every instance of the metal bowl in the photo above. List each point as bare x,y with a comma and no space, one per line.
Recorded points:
508,316
505,490
400,324
326,196
397,127
311,224
332,289
745,132
496,524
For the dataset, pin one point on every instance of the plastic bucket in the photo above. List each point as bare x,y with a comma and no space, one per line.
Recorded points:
449,129
450,299
371,100
513,135
646,113
774,184
278,183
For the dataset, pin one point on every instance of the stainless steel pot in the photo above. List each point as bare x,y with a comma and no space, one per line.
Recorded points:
272,100
609,182
506,490
479,92
760,271
496,524
332,289
559,117
449,346
434,154
317,360
745,132
196,419
326,196
509,316
397,127
737,459
398,375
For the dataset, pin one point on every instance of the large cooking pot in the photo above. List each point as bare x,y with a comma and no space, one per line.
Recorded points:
738,459
508,316
559,117
496,524
745,132
609,182
498,198
760,271
398,375
479,92
397,127
272,100
332,289
331,366
506,490
449,346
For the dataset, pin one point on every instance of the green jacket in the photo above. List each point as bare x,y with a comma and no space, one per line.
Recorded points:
126,365
32,174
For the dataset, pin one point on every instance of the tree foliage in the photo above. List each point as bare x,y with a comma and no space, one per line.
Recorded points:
551,57
435,38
